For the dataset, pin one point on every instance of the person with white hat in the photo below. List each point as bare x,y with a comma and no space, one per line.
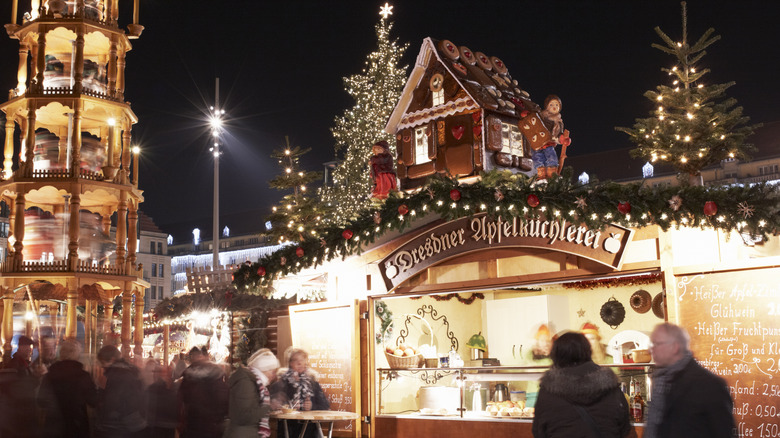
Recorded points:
249,407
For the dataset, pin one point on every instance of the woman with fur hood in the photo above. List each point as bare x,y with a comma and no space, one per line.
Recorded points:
577,398
298,387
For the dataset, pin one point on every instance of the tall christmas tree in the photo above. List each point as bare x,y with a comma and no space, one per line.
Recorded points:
376,91
298,213
693,124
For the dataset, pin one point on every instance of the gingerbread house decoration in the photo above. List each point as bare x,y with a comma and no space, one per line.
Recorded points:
458,115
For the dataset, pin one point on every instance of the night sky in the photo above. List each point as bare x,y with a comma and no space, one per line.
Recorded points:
281,63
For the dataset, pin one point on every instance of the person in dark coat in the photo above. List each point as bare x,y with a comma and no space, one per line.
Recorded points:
687,400
250,398
162,415
298,388
120,408
66,391
577,396
18,388
203,398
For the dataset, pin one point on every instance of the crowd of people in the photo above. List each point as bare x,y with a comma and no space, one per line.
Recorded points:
192,397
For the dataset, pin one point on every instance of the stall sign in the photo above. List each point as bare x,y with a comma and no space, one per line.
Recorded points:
481,232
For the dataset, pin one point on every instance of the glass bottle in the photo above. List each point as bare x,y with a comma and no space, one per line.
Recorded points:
637,408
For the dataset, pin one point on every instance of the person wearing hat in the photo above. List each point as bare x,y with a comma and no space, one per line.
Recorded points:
382,171
249,406
203,396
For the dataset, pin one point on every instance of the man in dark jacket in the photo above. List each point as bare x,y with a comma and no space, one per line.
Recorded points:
577,396
687,400
120,411
65,392
203,395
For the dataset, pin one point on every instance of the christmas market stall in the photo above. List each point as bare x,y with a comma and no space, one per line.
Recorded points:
459,282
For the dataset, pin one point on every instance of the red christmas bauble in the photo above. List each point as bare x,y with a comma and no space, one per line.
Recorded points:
455,194
710,208
347,234
261,271
299,251
533,200
624,207
403,209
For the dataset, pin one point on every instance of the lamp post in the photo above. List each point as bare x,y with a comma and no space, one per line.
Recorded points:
216,128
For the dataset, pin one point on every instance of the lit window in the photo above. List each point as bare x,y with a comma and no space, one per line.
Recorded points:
647,170
511,139
584,178
438,98
421,145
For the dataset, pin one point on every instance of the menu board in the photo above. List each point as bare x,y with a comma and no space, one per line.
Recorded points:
734,322
329,333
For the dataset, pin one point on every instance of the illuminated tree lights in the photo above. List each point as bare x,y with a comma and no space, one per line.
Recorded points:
754,210
692,125
297,214
375,91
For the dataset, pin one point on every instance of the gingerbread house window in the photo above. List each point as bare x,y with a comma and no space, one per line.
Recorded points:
421,145
438,97
511,140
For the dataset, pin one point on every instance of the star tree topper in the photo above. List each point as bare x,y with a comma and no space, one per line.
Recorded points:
386,11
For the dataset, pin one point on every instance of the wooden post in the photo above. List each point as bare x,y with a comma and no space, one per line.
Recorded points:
166,345
127,306
71,321
8,323
73,232
139,326
8,151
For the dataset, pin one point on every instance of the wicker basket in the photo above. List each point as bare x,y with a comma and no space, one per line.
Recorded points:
402,363
405,362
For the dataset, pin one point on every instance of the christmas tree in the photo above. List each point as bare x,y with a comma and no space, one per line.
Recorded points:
298,213
376,91
693,124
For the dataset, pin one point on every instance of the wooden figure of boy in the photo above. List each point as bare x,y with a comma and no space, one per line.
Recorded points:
545,159
382,171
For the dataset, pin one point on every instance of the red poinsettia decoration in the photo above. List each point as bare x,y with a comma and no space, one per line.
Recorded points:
347,234
533,200
261,271
710,208
624,207
455,194
403,209
299,251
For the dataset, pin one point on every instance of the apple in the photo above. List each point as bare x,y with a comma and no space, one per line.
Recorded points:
398,352
390,350
409,352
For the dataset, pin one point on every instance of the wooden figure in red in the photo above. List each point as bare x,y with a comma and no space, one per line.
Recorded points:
382,170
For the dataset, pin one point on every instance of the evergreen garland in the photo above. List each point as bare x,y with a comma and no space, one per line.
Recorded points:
251,334
751,209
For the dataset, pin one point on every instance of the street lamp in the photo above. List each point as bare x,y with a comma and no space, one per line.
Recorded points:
216,129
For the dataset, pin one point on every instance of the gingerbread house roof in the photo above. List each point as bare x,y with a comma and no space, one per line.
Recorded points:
485,79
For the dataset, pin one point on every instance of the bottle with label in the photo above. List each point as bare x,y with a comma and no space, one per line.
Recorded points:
637,407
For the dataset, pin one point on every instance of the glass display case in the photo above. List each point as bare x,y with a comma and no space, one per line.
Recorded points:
492,393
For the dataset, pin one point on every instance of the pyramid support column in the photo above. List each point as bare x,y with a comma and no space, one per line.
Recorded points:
21,73
89,327
19,231
70,315
127,308
78,75
132,236
75,138
8,323
121,229
8,149
40,58
139,324
73,232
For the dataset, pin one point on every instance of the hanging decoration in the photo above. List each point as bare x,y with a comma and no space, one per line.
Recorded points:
533,200
403,209
641,301
745,210
675,202
347,234
385,317
710,208
634,280
624,207
447,297
455,195
613,313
